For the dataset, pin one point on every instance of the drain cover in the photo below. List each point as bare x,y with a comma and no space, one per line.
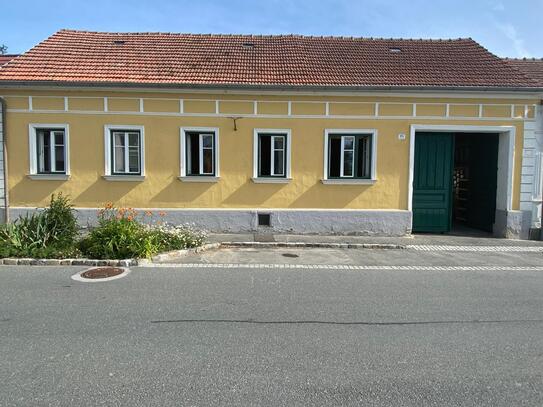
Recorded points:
290,255
102,272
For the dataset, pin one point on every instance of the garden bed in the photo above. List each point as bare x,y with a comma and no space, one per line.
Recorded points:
122,236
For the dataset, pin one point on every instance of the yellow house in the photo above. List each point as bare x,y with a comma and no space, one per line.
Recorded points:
283,133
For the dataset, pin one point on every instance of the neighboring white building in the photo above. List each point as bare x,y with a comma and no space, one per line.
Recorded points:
531,196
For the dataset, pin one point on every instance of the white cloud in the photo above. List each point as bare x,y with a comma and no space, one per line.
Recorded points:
512,35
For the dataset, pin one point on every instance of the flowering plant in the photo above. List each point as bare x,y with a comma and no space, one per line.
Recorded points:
126,233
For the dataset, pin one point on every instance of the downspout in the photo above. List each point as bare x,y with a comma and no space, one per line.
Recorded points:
5,152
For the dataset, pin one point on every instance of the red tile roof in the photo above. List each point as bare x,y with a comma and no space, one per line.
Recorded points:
531,67
5,58
163,59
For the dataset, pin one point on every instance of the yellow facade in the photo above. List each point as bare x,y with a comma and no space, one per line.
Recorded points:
163,114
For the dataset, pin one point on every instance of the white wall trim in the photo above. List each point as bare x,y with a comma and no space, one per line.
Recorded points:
504,193
288,134
107,151
33,159
372,132
182,149
276,116
432,94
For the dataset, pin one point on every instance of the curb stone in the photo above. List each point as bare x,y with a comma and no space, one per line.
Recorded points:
68,262
388,246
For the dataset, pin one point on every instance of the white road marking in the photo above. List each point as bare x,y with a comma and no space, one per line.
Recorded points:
447,248
341,267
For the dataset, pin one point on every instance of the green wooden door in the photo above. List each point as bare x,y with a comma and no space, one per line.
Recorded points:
432,182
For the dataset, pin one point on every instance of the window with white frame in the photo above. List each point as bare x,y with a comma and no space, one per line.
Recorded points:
48,150
124,151
349,156
199,152
271,154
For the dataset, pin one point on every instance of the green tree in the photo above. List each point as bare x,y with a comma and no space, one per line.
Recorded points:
3,49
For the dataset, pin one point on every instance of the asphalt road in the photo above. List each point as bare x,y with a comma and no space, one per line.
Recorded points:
269,337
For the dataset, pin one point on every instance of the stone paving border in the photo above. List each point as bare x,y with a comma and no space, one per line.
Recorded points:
446,248
115,263
272,245
347,267
67,262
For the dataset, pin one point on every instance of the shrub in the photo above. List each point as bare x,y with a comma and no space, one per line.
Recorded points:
51,232
117,236
122,233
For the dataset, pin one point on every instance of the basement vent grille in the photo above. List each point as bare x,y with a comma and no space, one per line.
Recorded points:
264,219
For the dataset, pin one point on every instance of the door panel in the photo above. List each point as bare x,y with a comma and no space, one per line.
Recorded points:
432,182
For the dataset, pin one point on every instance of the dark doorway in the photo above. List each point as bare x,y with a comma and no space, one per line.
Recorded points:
475,181
454,182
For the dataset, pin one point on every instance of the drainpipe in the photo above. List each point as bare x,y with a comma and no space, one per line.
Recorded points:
5,151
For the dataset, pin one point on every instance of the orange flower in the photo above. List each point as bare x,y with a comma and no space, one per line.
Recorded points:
130,217
109,205
148,213
162,213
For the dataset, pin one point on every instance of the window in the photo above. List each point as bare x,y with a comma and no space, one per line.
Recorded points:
271,155
49,150
124,152
51,154
199,153
349,155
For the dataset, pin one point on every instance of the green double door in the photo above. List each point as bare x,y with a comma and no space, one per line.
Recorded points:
433,178
432,182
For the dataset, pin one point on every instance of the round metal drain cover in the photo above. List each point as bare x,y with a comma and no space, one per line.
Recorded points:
290,255
102,272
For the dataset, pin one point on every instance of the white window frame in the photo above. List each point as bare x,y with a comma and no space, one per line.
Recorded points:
33,150
126,153
287,157
350,179
203,131
201,154
342,157
109,129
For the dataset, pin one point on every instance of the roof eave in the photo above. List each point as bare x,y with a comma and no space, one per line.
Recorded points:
253,87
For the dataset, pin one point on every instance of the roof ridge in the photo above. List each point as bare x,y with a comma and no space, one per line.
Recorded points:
290,35
528,59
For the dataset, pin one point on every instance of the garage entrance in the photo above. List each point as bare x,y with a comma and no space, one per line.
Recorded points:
455,182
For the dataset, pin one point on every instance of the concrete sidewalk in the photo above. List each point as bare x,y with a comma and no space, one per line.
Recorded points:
417,239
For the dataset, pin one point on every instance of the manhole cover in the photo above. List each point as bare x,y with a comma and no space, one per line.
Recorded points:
102,272
290,255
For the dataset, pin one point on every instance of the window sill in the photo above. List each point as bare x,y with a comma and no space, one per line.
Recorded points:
202,178
271,180
344,181
49,177
133,178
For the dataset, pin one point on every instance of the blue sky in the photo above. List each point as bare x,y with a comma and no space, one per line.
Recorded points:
506,27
